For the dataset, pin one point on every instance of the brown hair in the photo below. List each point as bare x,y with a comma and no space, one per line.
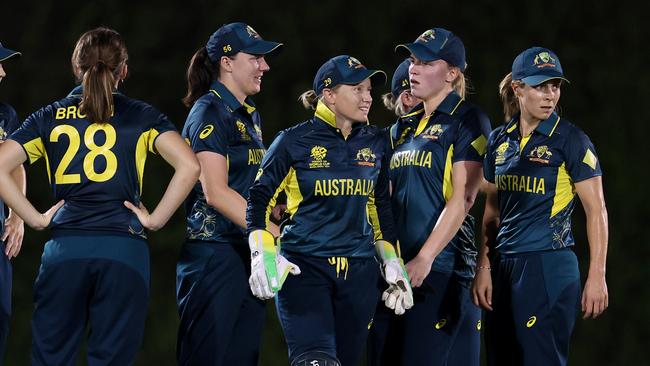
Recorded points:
200,74
508,98
97,60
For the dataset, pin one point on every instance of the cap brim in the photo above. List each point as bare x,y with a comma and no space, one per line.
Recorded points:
375,76
262,47
539,79
419,51
6,54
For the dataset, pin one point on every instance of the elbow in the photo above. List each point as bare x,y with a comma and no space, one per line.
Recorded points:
194,169
468,202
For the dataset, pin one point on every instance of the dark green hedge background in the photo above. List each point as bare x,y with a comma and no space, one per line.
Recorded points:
602,48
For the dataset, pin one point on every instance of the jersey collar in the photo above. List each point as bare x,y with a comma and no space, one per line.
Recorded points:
220,90
326,115
448,106
546,127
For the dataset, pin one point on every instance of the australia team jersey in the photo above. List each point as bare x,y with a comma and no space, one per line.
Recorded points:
219,123
94,167
535,177
424,150
337,188
8,123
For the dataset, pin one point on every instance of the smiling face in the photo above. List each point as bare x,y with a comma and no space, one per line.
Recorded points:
431,78
537,102
246,72
351,102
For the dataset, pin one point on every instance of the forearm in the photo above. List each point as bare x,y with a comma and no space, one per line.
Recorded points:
230,204
18,175
597,235
14,198
448,224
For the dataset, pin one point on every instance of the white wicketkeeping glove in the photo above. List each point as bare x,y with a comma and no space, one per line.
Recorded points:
399,295
268,268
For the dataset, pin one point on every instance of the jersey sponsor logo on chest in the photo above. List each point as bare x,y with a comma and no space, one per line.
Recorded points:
411,157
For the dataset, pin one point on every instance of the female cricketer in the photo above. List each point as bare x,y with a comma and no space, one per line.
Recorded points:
435,171
333,168
535,164
221,321
95,270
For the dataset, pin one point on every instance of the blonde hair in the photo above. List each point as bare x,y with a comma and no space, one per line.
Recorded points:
309,99
460,85
394,103
508,98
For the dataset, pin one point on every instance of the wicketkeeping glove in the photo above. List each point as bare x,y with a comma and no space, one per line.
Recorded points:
268,268
399,295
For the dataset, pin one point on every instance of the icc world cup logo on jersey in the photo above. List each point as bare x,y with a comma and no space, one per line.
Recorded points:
366,157
501,153
318,154
540,154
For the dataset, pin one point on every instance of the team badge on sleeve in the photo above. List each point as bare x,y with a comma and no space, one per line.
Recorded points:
590,159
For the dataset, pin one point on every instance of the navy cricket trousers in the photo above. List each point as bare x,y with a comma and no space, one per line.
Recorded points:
329,306
221,322
94,283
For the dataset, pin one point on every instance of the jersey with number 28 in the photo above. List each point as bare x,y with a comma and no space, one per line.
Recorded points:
94,167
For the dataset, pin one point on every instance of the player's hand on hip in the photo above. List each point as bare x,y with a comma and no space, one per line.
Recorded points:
418,269
46,218
595,298
13,235
143,215
481,289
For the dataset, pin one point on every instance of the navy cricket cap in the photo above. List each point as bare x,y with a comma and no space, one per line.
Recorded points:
537,65
6,53
237,37
344,69
438,44
400,80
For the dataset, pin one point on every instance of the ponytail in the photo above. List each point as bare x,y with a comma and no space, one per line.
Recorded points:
99,57
508,98
460,85
200,74
309,99
97,101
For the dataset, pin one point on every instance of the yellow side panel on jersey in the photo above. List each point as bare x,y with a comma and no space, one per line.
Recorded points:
373,216
145,143
564,191
294,197
447,184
